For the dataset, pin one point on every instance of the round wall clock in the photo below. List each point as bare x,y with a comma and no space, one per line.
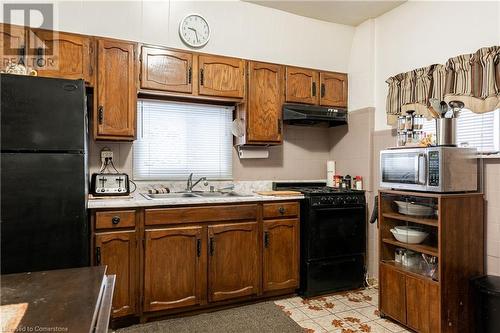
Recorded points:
194,30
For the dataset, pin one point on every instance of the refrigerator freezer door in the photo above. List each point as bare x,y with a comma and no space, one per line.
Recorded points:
43,212
42,114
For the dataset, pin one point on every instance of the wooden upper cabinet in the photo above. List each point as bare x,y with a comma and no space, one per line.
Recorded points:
175,268
13,43
117,250
265,102
301,85
333,89
233,261
63,55
281,254
221,76
392,285
166,70
115,113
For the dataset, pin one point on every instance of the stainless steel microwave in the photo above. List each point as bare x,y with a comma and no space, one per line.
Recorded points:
432,169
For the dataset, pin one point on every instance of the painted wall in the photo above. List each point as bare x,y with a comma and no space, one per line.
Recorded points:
238,29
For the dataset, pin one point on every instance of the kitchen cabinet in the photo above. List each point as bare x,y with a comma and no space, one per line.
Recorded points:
392,285
115,114
166,70
175,268
439,301
234,266
63,55
221,76
117,251
333,89
13,43
265,102
301,85
281,254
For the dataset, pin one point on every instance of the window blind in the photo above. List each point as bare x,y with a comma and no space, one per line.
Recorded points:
175,139
480,131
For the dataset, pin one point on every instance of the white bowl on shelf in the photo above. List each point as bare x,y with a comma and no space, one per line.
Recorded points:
410,236
408,208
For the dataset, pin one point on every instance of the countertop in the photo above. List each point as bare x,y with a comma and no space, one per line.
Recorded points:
137,200
63,300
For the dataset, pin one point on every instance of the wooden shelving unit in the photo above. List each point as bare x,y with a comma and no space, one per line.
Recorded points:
422,248
456,238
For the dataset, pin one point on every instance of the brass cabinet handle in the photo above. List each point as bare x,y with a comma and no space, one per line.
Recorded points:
115,220
98,256
202,76
100,114
266,239
198,247
281,210
212,246
314,89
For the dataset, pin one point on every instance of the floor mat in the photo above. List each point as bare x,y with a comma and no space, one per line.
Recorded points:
263,317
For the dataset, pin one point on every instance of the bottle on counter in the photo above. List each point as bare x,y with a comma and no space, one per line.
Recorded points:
348,180
358,183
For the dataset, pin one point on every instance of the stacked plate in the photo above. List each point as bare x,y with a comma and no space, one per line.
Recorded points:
408,208
410,235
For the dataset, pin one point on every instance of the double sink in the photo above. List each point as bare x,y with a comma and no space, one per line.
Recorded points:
194,194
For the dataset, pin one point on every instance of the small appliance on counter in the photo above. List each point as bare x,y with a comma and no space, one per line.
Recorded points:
109,183
332,237
430,169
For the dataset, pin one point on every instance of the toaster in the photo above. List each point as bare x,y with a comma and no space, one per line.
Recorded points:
109,184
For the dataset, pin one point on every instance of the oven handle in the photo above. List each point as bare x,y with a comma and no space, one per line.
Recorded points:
350,259
422,169
339,208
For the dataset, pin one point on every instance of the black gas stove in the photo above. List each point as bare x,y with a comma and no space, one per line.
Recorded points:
333,237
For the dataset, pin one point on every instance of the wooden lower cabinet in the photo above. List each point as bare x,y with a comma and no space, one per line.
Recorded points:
392,285
175,268
117,250
233,260
411,300
281,254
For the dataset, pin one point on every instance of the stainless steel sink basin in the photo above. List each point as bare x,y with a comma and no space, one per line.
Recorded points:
152,196
200,194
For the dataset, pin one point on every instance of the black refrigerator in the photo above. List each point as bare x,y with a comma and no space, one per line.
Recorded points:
43,185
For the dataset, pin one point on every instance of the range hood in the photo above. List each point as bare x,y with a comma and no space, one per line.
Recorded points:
311,115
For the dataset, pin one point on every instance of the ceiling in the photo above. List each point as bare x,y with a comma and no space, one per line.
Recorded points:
351,12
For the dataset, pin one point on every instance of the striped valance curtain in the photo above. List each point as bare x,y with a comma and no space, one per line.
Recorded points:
471,78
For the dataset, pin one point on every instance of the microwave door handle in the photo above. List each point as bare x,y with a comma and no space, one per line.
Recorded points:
422,169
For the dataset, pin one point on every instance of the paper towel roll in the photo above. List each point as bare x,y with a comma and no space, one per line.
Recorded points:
330,173
330,166
244,153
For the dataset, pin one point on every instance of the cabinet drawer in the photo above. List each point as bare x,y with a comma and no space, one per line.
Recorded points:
115,219
200,214
281,209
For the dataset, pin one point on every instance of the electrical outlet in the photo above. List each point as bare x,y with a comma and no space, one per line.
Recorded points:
106,153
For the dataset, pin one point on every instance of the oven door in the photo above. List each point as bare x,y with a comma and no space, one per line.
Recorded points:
336,232
403,169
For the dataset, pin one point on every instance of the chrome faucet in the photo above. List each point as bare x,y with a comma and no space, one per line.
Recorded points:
190,185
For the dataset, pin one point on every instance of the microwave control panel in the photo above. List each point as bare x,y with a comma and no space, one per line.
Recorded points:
433,168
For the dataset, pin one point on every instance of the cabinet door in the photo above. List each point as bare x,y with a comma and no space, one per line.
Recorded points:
301,85
221,76
166,70
434,309
117,250
116,90
392,293
265,102
333,88
233,261
63,55
417,304
13,43
174,268
281,254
